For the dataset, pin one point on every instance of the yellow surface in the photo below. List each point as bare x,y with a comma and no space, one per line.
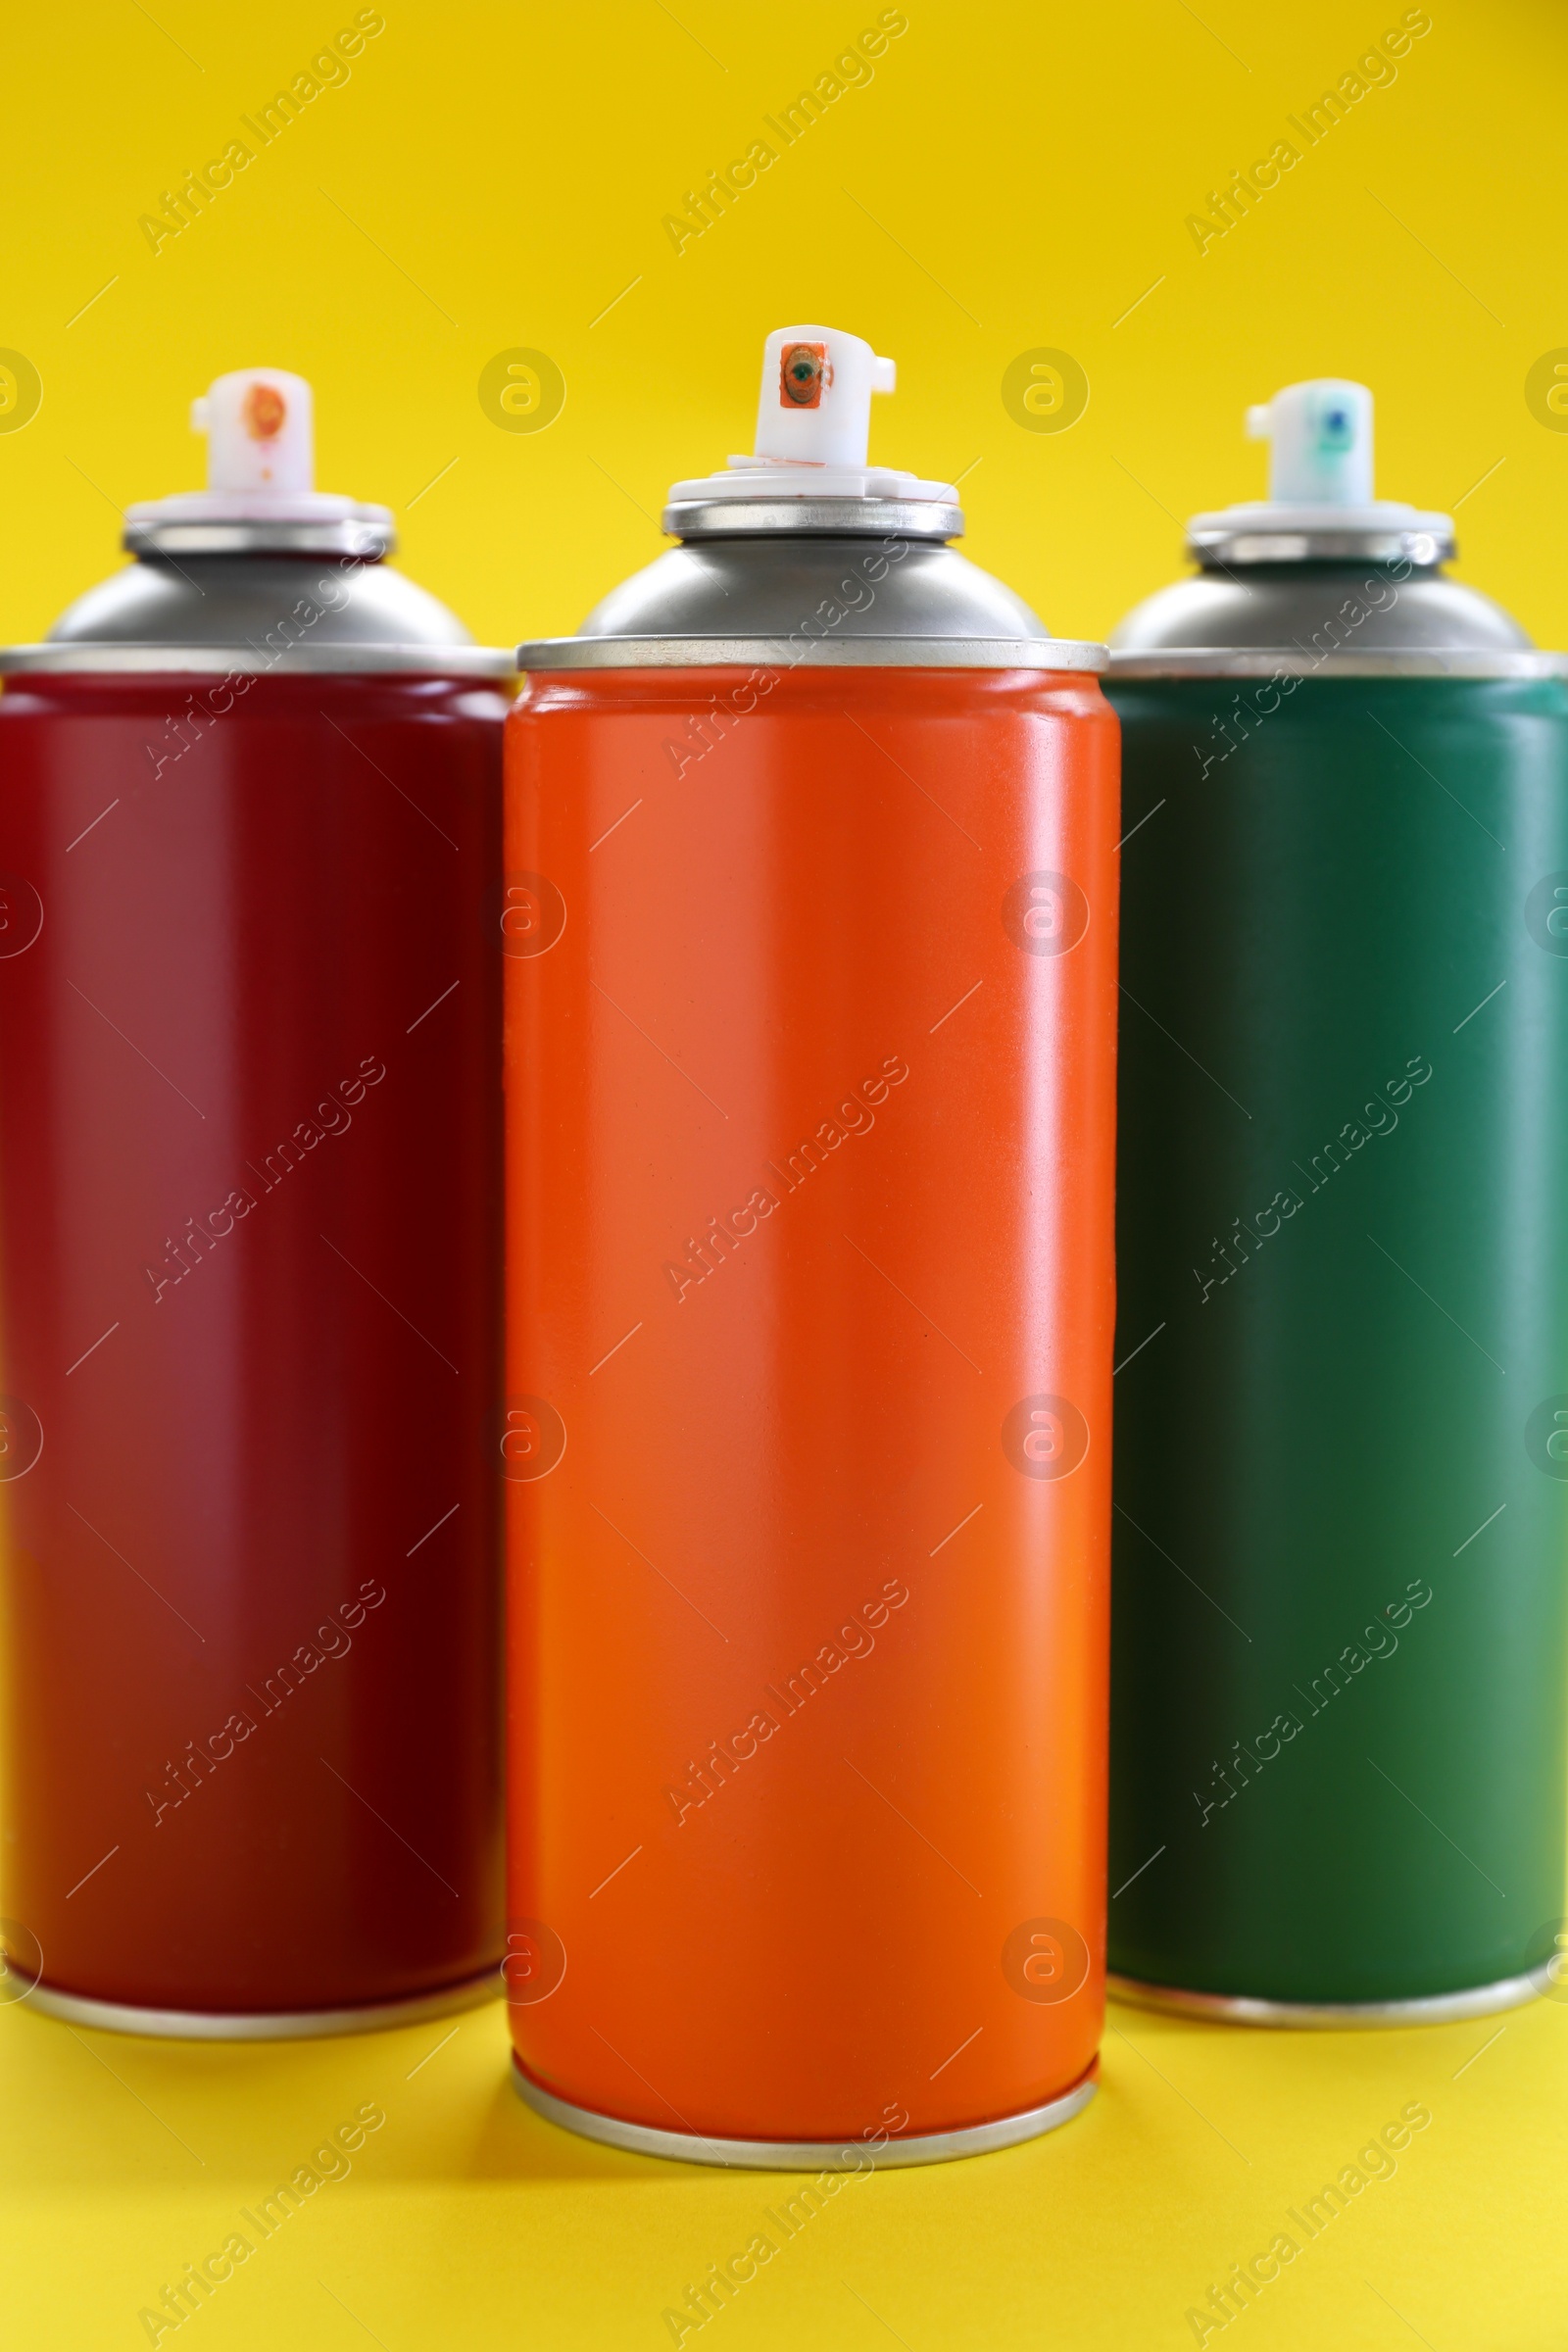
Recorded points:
1013,178
467,2222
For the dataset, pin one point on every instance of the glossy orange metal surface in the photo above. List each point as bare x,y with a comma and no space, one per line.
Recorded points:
810,1106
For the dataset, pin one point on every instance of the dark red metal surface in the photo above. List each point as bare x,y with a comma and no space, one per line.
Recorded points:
249,1313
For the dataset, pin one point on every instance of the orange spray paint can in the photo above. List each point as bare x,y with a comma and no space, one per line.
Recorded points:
810,940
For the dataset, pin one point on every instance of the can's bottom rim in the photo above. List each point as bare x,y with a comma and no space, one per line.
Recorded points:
286,2025
1248,2009
805,2155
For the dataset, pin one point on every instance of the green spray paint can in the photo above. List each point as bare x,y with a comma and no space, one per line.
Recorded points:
1342,1398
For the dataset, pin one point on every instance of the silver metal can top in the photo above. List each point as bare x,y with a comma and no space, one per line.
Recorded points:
1377,610
816,518
804,553
1226,539
1393,662
90,658
1321,576
851,582
1305,618
362,532
784,653
263,607
260,572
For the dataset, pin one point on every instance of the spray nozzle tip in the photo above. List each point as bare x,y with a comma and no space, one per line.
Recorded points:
1321,443
813,430
816,402
260,431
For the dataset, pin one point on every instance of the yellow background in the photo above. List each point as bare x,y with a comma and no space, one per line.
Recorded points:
1012,178
1031,168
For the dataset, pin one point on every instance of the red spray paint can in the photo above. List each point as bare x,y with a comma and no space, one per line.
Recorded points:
249,1126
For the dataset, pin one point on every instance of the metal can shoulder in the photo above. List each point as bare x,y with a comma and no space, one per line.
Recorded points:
783,653
789,598
229,598
258,612
778,582
1312,616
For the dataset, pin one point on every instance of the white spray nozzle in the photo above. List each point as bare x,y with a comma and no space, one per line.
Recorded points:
260,432
813,424
1320,499
1321,443
261,473
815,402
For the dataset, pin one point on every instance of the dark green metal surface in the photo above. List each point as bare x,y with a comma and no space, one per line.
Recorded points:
1342,1522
